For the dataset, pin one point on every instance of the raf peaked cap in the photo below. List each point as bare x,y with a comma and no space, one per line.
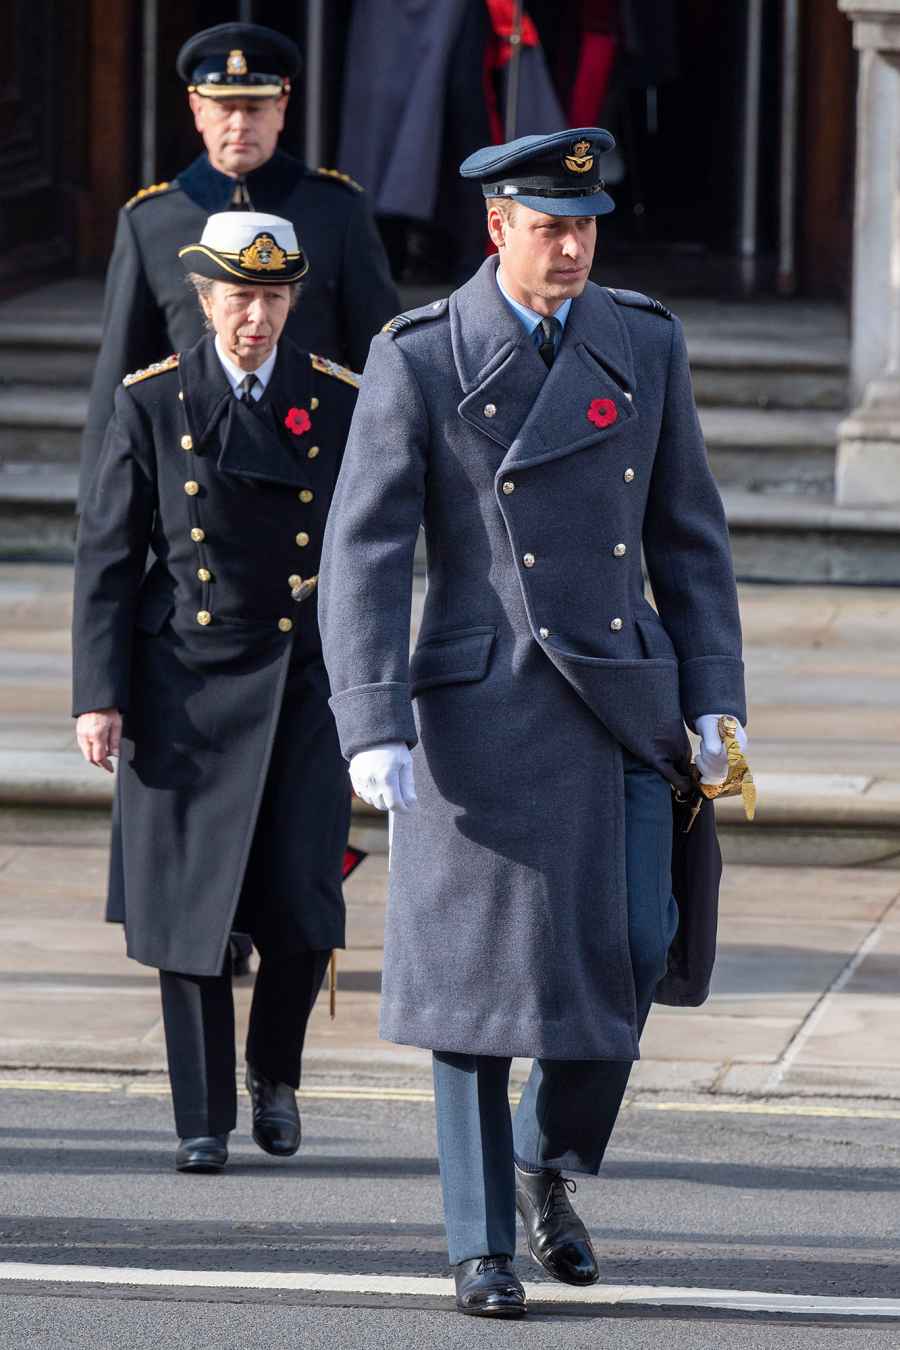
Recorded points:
247,246
238,60
557,174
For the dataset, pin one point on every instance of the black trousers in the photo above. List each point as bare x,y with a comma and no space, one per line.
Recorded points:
198,1014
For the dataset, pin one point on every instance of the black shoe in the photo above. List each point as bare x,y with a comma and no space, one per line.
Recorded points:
276,1120
487,1286
557,1239
202,1153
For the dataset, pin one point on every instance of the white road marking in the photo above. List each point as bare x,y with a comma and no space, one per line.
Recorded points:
318,1282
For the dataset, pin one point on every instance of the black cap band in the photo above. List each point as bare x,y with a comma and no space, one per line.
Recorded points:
524,189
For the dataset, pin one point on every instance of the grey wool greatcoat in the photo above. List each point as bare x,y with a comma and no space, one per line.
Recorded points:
232,798
538,656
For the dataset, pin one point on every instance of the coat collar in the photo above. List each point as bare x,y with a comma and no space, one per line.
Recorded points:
534,414
248,442
267,186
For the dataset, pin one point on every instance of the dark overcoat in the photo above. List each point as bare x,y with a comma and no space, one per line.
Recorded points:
231,789
538,656
149,308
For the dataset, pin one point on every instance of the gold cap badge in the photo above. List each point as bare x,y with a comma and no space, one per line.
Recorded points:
580,160
236,63
263,255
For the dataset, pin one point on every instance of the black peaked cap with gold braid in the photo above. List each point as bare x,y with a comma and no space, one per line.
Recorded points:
238,60
246,246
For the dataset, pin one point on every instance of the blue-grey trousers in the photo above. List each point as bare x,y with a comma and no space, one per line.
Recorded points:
569,1107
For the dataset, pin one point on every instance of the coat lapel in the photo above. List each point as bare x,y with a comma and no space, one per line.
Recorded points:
248,442
509,396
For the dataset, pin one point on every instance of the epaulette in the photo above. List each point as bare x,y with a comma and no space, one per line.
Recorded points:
635,300
329,367
340,178
150,191
157,368
413,316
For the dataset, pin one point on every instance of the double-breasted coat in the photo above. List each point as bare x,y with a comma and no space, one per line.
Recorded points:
538,656
148,307
232,799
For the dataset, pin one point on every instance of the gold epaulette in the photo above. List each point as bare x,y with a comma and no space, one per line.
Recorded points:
329,367
146,192
341,178
156,369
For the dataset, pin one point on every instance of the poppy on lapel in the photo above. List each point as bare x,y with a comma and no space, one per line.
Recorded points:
602,412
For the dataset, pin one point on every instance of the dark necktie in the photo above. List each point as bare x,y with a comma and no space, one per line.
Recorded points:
550,330
246,386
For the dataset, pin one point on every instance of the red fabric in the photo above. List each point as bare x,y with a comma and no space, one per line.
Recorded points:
501,15
352,858
591,83
602,412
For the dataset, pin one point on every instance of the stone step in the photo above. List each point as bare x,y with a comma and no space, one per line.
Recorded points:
41,424
773,450
48,352
750,373
811,539
37,511
802,820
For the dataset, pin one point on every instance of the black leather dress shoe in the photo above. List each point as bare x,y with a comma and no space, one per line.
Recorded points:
487,1286
202,1153
557,1239
276,1120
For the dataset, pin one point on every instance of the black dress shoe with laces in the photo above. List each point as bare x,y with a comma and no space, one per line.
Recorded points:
557,1239
202,1153
276,1120
487,1286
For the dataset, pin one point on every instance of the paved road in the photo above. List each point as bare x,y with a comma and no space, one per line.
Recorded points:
733,1199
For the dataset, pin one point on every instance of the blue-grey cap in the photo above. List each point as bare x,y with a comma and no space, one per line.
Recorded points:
558,174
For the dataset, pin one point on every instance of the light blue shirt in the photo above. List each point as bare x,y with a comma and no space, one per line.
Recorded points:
529,319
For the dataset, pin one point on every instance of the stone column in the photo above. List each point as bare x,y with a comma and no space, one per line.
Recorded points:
868,456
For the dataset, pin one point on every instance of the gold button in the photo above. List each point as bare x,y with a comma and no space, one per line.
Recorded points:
204,574
490,410
294,581
302,539
528,560
187,443
628,475
313,404
305,495
191,488
509,486
312,452
544,632
198,535
616,625
204,617
619,551
285,625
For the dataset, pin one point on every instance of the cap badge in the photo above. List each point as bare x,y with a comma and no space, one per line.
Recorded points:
263,255
236,63
580,160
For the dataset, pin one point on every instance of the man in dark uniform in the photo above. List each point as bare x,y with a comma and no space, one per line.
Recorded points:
239,79
206,678
543,429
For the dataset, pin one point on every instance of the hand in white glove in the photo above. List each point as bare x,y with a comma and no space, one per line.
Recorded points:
383,777
712,759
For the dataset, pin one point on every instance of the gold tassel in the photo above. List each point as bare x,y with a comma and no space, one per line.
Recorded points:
332,985
739,779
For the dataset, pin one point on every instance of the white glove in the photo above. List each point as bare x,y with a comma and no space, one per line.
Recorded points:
712,759
383,777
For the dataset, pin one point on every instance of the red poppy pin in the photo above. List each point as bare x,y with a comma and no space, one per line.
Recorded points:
602,412
298,421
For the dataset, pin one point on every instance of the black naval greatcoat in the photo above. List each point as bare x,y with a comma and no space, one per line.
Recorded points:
232,799
149,308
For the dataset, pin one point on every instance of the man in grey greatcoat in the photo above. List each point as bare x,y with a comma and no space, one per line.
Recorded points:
543,430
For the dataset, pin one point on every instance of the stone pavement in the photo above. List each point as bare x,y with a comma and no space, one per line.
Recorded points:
807,994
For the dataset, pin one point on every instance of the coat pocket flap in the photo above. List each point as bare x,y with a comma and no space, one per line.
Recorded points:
457,657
